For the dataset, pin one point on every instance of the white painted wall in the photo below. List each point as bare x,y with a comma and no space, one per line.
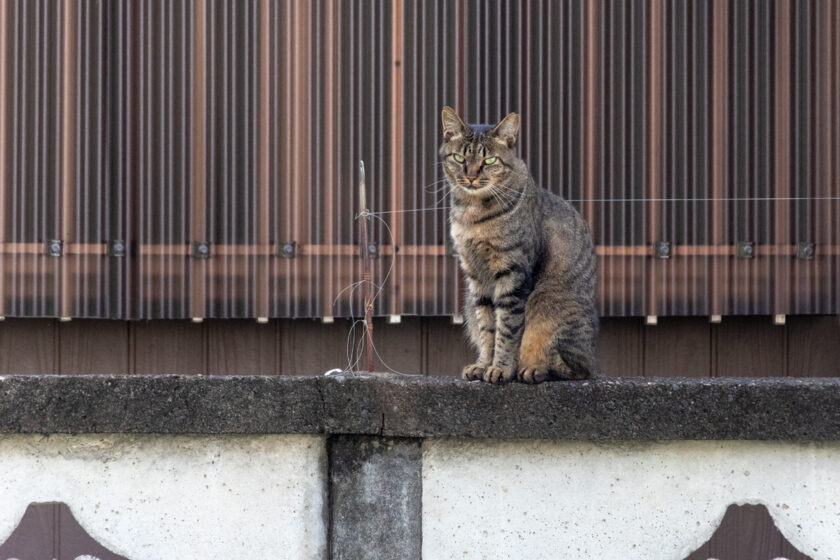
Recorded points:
654,501
165,497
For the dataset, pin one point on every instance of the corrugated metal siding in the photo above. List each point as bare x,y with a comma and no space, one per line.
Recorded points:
232,130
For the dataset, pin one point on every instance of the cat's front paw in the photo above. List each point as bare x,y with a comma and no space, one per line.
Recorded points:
473,372
532,374
499,374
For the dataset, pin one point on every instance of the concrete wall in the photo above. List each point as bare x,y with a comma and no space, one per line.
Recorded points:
622,501
164,497
393,467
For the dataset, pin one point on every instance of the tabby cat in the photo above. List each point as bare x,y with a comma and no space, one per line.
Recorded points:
528,258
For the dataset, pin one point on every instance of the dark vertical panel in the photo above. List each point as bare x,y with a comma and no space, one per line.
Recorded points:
231,191
686,131
299,337
205,113
751,75
399,347
69,143
93,346
164,347
395,156
620,347
812,349
678,347
656,126
27,346
742,350
782,149
4,156
236,347
446,349
718,267
263,198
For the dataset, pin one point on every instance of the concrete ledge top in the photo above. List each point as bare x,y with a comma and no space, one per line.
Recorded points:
415,406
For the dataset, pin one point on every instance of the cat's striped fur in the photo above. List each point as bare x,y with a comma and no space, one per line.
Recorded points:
528,258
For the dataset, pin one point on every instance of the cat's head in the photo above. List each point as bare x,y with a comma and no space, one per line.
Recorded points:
479,156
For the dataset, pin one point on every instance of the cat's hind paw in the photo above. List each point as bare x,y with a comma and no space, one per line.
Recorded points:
532,375
499,374
473,372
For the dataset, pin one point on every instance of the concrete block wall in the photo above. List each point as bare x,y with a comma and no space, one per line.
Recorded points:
388,467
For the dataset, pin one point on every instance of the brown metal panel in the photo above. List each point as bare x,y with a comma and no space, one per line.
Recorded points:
238,347
654,152
620,347
198,186
91,346
332,184
399,348
28,346
4,181
298,140
742,348
812,349
590,95
446,349
333,341
396,159
68,156
719,161
678,347
264,194
164,347
239,124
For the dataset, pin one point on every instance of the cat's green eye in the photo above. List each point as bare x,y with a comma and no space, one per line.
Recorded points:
459,158
490,160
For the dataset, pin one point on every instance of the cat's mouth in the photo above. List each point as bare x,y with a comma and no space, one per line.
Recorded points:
472,186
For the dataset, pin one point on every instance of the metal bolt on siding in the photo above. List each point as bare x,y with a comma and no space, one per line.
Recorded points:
201,250
805,250
745,249
116,248
55,247
287,250
662,250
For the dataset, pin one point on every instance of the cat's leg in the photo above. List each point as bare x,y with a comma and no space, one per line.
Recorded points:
509,299
558,342
574,356
481,328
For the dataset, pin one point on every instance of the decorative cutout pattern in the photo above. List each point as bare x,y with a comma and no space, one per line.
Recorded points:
49,530
747,533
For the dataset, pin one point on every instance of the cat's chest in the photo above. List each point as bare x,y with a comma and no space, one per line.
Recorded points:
480,254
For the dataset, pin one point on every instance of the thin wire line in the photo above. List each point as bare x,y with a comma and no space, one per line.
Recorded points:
605,200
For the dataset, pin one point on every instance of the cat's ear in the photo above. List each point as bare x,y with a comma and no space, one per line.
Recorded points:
506,130
452,124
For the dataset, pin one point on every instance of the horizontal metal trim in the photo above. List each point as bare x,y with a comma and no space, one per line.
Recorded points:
403,250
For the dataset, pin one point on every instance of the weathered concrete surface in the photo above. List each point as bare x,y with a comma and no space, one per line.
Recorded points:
163,404
150,497
375,498
415,406
603,409
544,500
